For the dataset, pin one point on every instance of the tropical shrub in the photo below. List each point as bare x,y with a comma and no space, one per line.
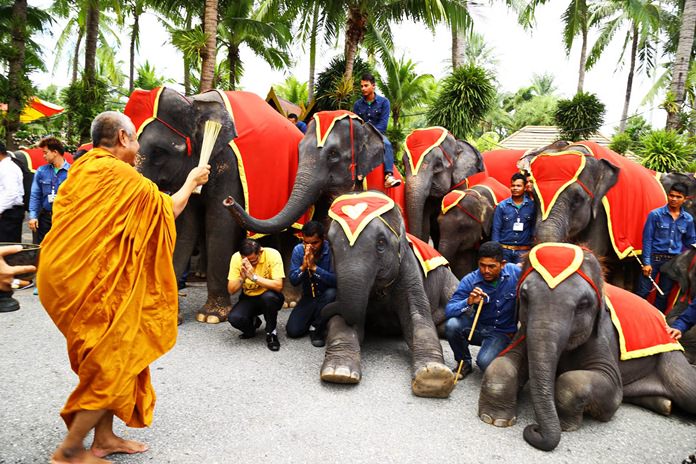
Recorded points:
83,103
579,117
464,99
621,143
537,111
332,92
487,142
665,151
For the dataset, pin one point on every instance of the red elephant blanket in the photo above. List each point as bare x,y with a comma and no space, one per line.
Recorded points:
420,142
428,257
35,159
353,212
266,147
552,173
498,191
499,164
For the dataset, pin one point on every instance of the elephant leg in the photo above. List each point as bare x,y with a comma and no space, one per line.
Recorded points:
188,231
584,390
500,386
342,356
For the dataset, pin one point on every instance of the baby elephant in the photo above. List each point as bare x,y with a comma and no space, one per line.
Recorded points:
569,346
381,287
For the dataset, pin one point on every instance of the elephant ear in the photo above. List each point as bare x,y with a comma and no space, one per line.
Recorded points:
678,270
607,175
369,149
468,161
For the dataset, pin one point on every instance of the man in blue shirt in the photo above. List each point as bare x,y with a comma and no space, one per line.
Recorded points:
495,282
513,221
44,188
667,231
684,322
375,109
311,266
292,117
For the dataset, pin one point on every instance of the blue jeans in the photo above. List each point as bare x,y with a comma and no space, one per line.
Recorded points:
388,155
666,284
513,256
308,313
491,342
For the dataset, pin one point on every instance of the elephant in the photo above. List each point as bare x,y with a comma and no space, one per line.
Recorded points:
568,349
464,225
170,145
682,269
328,166
433,173
381,288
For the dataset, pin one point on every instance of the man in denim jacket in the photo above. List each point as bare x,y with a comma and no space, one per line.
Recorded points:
44,188
495,282
513,221
667,231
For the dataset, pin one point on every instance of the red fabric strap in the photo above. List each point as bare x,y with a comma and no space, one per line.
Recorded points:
469,214
512,345
579,272
179,133
464,182
352,151
584,187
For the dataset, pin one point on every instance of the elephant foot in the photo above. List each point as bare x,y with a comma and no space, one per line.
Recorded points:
342,357
658,404
500,422
340,374
434,380
214,311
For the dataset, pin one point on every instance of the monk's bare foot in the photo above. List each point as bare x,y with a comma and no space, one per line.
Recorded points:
116,444
78,456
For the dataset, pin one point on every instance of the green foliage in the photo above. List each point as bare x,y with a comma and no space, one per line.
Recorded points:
332,93
621,143
666,151
636,127
537,111
148,79
84,103
293,91
580,117
465,98
487,142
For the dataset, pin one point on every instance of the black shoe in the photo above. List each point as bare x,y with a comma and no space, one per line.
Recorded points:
245,335
317,338
466,370
272,342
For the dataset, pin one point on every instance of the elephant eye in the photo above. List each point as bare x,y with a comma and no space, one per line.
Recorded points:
334,157
381,244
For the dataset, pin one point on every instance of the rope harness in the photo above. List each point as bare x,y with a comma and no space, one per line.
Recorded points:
179,133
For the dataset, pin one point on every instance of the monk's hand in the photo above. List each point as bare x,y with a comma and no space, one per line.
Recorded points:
199,175
674,333
7,272
647,269
33,225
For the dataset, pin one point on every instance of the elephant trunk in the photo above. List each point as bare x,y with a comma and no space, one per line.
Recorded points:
545,342
552,229
353,288
417,191
305,192
448,246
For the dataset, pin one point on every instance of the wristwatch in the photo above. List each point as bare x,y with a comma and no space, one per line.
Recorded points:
254,278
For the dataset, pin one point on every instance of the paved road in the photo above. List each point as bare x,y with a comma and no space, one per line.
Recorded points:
223,400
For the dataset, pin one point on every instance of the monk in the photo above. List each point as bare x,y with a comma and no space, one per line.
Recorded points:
106,279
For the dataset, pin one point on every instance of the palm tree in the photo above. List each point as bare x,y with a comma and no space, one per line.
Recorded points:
148,79
16,96
210,23
542,84
682,60
293,91
642,18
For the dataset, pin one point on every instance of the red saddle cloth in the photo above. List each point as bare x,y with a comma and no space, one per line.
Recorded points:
499,164
552,173
641,327
498,191
428,257
354,211
35,158
420,142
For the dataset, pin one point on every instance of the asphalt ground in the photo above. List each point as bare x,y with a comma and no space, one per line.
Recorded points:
223,400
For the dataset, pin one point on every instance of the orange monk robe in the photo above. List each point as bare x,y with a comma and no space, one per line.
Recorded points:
107,281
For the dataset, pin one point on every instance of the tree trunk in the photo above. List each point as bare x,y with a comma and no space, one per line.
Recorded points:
76,57
92,27
16,96
313,52
681,62
187,63
629,83
232,60
583,59
210,29
355,33
134,40
458,41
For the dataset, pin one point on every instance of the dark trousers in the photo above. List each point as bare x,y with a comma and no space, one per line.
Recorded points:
308,313
665,283
244,313
45,222
491,342
11,224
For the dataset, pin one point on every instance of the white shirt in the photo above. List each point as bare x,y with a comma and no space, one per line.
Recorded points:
11,185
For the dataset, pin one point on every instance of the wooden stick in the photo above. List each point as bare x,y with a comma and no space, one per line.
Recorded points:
478,313
657,287
459,371
212,129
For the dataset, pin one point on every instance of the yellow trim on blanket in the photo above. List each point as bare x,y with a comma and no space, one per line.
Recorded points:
154,113
626,355
452,204
317,125
544,208
443,136
627,251
226,101
429,264
30,165
552,281
353,236
490,190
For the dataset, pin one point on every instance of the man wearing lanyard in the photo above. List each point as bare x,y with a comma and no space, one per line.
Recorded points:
513,221
45,187
667,231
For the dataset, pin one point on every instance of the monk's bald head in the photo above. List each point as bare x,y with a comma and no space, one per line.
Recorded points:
107,126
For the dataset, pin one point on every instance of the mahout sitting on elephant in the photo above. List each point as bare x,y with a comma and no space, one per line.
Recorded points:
381,288
249,160
585,346
435,163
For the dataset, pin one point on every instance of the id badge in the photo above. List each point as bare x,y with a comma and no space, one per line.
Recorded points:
518,227
51,197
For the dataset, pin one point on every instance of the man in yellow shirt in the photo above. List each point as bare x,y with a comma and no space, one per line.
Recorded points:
259,273
111,289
